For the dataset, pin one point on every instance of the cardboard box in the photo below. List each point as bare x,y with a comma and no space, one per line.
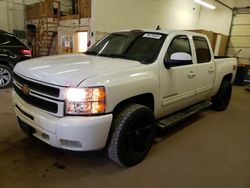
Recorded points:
33,11
36,10
221,45
85,8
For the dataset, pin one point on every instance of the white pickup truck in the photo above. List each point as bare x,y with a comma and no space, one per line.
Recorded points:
115,95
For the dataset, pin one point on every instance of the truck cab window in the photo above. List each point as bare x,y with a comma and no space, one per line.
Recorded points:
202,50
179,44
133,45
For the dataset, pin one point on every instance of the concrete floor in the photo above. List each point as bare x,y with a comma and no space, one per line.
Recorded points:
210,150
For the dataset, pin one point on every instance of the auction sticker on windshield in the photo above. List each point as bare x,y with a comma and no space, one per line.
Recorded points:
152,35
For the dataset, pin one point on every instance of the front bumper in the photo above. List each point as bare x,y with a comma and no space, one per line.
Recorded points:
76,133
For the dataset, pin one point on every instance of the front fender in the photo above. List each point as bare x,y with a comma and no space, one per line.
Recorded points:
125,84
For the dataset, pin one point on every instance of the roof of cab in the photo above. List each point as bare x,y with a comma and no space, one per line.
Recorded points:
163,31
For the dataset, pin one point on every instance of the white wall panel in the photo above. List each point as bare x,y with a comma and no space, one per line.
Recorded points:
243,61
28,2
229,3
241,19
241,30
245,52
240,38
113,15
241,42
17,17
3,16
242,3
11,15
218,20
169,14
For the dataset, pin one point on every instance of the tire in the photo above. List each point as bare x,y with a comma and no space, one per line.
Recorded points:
132,136
221,100
5,76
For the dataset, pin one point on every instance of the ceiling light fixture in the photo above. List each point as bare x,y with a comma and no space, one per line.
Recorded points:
205,4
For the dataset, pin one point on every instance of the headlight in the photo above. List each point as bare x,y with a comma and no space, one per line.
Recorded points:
80,101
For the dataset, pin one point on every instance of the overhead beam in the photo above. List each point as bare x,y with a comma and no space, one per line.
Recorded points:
225,5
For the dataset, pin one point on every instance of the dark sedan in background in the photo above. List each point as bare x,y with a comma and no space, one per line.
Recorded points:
12,51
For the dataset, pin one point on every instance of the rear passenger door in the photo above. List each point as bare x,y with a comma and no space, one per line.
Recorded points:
205,68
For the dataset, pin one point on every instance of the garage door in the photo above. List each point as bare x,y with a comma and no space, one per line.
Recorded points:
240,36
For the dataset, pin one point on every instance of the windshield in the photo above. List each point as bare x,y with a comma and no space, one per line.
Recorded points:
134,45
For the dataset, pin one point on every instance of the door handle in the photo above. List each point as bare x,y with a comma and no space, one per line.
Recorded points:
211,70
191,74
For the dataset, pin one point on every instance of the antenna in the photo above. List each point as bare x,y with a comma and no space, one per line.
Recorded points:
158,28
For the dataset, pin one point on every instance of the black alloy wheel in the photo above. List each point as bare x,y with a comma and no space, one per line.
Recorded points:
133,135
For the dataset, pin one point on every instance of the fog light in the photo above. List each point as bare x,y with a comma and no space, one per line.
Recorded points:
45,136
70,143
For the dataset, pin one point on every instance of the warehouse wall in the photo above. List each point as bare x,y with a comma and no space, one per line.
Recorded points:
169,14
11,15
3,16
113,15
242,3
28,2
218,20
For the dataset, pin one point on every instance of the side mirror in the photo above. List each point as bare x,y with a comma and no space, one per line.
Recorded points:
178,59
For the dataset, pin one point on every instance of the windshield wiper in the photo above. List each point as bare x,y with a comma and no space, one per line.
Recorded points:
114,56
104,55
91,53
122,56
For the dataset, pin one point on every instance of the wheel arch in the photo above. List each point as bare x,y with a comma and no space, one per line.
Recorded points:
222,98
6,62
146,99
228,77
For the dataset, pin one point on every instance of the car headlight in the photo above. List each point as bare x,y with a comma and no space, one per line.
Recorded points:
81,101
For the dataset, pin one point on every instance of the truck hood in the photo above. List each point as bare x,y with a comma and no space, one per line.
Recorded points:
70,70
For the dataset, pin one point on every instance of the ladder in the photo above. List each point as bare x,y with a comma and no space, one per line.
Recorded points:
45,42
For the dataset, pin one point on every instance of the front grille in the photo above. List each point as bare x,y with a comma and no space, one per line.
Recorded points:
48,90
37,102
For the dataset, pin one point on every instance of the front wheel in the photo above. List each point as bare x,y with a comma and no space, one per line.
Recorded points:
133,135
5,76
221,100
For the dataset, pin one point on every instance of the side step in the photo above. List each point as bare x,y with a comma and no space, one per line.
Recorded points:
181,115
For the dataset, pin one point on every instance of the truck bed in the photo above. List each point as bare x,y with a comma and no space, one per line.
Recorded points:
221,57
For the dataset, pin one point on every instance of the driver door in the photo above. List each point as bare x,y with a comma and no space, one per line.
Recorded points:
177,82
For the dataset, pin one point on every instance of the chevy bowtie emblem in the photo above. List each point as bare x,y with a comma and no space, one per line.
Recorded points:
25,89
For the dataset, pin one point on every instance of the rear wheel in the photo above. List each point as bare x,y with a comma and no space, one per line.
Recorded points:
221,100
133,135
5,76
